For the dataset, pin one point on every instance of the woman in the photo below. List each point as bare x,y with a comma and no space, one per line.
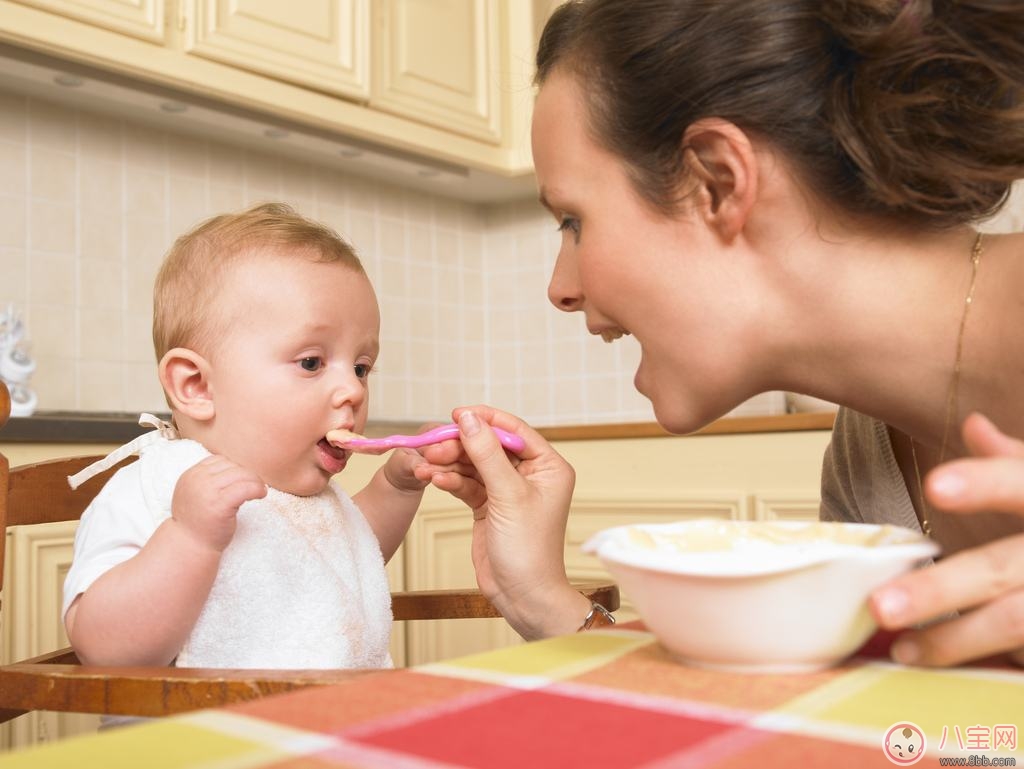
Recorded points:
779,195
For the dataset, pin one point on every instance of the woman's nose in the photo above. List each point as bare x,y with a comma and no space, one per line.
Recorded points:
564,289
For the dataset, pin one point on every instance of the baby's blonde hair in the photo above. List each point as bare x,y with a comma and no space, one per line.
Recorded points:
186,288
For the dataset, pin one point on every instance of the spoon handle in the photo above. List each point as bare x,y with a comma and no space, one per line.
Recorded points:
510,441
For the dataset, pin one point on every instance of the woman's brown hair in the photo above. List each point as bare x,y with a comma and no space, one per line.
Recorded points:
902,109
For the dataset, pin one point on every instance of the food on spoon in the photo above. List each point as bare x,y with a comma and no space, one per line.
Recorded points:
340,437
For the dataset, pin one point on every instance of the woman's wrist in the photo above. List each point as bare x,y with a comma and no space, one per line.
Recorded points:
547,611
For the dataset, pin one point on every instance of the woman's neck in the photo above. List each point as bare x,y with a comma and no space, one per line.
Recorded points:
882,333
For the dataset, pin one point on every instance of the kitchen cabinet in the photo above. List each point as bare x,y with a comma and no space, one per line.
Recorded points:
447,80
439,62
142,19
318,44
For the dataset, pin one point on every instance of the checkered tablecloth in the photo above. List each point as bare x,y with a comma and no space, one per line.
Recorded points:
609,698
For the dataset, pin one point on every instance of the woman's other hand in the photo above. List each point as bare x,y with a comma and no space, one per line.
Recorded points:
984,584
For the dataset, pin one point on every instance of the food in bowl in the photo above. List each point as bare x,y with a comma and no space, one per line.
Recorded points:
757,596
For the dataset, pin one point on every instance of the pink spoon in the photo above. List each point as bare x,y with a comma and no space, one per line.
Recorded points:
342,438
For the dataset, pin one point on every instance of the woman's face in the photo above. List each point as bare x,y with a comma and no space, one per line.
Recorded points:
631,268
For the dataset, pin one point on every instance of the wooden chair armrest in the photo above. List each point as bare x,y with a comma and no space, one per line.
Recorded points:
468,604
145,691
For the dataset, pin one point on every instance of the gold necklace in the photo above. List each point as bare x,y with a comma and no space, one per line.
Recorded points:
954,386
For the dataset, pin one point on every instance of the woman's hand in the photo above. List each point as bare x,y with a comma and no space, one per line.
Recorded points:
520,506
985,584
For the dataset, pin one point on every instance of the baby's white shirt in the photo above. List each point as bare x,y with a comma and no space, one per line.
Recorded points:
301,585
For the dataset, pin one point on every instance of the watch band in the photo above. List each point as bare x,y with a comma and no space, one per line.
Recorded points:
598,616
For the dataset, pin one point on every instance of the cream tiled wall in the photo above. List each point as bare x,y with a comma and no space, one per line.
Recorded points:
89,204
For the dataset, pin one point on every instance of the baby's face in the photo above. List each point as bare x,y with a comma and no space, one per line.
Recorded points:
292,362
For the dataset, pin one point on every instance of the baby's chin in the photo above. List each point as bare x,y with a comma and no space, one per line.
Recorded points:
305,488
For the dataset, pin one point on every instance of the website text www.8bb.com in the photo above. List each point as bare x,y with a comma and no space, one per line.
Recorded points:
975,760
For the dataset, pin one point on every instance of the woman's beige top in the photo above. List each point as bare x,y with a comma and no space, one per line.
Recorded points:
862,482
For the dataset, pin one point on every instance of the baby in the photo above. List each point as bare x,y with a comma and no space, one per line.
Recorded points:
225,544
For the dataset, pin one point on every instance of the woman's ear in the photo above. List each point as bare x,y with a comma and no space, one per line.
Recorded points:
721,159
184,376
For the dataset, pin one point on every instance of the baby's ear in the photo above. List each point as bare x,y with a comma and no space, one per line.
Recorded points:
184,377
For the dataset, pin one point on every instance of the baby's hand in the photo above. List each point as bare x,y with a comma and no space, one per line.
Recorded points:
400,470
207,497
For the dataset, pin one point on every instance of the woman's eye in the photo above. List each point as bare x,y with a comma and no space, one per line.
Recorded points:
363,370
311,364
570,224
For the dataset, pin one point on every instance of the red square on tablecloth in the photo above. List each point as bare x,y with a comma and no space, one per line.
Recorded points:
537,729
330,709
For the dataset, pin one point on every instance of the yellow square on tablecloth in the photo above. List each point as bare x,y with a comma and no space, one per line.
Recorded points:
553,658
877,696
165,744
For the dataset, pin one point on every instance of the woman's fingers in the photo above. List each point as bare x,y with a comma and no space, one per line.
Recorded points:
984,584
989,630
978,485
984,439
968,579
535,443
993,480
486,453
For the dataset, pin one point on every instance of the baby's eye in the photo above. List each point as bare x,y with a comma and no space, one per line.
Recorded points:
363,370
312,363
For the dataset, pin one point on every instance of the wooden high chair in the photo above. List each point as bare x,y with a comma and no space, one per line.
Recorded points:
39,493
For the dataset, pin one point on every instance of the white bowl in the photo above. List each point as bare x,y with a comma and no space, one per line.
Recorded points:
757,596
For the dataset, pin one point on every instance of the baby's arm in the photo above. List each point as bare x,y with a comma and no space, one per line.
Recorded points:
391,498
142,611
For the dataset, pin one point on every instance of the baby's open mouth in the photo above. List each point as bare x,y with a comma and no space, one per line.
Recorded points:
334,451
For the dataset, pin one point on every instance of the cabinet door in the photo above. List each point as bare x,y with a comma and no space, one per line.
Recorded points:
439,62
319,44
139,18
38,560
